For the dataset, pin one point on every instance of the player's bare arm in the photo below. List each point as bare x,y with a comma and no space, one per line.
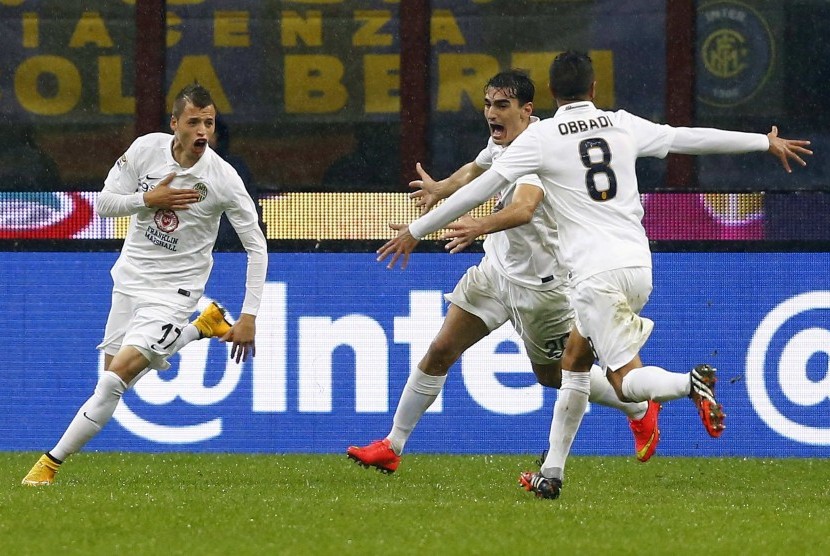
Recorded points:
429,191
464,231
162,196
242,335
784,149
399,247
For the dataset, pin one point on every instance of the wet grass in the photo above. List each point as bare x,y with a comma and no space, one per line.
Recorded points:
114,503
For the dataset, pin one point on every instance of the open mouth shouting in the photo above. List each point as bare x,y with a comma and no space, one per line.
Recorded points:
200,144
498,133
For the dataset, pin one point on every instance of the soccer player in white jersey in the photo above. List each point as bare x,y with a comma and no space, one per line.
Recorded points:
520,279
174,188
585,158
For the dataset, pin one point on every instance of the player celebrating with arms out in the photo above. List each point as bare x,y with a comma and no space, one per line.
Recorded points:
174,188
520,279
586,158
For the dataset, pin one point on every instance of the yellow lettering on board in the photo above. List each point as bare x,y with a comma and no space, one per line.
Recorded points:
537,64
309,29
231,29
174,35
382,83
31,30
313,84
444,28
368,33
461,75
110,92
604,71
90,29
68,90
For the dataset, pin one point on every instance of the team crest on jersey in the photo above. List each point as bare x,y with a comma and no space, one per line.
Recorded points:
166,220
736,53
202,188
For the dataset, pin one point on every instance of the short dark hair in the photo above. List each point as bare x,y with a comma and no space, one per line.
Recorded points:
195,94
571,75
515,83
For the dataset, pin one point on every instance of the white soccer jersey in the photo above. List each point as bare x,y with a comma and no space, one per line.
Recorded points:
167,255
527,254
586,160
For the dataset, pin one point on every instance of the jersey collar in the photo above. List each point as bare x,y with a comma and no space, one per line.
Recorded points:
581,106
195,169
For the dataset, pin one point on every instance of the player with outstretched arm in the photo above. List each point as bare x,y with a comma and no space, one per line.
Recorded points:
520,279
585,158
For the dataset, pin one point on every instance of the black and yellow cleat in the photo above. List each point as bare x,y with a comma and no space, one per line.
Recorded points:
213,322
42,473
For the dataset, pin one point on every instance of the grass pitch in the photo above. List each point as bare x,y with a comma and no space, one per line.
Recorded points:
114,503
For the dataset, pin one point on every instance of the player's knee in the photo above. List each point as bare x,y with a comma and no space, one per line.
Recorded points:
549,375
577,360
616,383
129,362
439,357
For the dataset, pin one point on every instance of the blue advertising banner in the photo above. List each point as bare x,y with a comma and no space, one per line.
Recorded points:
338,335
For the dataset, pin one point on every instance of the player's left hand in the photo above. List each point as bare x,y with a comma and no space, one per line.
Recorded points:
463,232
242,335
783,149
399,247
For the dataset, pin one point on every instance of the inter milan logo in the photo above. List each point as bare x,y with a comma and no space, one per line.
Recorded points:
166,220
736,51
202,189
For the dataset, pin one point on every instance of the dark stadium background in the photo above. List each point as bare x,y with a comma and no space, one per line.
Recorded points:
328,105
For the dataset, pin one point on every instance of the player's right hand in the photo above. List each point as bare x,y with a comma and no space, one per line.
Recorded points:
162,196
399,247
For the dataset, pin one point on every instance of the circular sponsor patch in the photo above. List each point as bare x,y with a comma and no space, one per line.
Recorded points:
166,220
202,189
736,51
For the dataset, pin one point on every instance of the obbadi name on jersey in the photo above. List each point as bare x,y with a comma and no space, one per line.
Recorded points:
578,126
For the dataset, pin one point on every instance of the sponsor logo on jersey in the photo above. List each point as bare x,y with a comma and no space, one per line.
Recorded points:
166,220
160,238
736,51
121,161
202,188
148,182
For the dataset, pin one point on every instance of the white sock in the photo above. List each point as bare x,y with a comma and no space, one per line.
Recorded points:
189,334
91,417
568,410
420,391
604,394
98,409
654,383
